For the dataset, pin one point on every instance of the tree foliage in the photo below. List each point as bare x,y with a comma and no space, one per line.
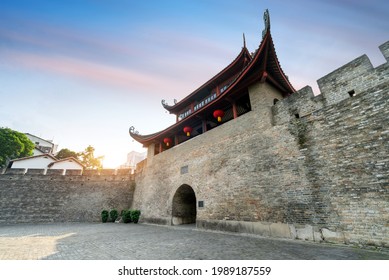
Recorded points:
89,160
87,157
65,153
14,144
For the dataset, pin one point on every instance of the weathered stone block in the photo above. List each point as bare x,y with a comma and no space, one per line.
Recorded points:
317,236
304,232
293,232
262,229
280,230
331,236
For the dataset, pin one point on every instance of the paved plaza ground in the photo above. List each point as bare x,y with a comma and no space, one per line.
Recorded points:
114,241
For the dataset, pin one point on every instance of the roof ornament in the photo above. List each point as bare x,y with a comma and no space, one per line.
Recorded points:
133,131
266,19
244,41
164,103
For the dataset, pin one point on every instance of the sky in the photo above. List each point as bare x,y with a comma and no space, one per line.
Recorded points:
81,72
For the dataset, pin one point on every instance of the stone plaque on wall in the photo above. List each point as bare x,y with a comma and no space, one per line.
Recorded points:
184,169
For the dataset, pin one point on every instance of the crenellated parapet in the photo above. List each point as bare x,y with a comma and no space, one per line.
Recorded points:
384,48
353,78
301,103
68,172
34,197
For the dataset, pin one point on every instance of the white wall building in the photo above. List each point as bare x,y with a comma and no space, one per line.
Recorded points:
45,162
42,145
133,158
66,163
33,162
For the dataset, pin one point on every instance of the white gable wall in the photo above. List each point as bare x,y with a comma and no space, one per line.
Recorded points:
39,141
43,144
35,162
37,152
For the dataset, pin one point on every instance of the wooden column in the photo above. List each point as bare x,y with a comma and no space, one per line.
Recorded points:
204,125
234,107
234,110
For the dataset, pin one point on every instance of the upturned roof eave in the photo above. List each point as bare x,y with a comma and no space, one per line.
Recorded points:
174,109
286,85
147,139
289,87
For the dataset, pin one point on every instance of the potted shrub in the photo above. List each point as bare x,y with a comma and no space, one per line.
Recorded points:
114,214
104,216
126,216
135,214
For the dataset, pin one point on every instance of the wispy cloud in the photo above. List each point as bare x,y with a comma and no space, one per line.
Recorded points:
129,79
34,36
151,60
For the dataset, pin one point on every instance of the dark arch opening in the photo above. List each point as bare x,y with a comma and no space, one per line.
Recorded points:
184,206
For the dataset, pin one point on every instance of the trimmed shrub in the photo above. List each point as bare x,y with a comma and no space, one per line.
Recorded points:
126,216
135,214
113,214
104,216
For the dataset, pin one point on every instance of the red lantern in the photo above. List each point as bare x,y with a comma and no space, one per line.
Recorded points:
218,114
187,130
167,141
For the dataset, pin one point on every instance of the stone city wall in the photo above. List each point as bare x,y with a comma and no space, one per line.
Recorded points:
309,167
61,198
353,78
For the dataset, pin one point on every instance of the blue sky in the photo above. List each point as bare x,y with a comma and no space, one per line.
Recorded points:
82,72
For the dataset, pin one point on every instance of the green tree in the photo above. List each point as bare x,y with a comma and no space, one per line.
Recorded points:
65,153
14,144
89,160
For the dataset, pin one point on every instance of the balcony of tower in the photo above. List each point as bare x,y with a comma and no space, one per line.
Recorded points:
210,96
202,122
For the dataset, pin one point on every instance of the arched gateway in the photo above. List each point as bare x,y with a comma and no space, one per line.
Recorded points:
184,206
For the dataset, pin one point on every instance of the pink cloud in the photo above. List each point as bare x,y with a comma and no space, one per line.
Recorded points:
128,79
166,62
62,40
153,44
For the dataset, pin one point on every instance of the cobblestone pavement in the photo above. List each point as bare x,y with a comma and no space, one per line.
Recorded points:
148,242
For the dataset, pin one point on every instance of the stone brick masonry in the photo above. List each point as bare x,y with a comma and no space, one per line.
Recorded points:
61,198
309,167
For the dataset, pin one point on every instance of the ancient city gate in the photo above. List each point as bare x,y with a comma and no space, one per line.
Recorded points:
184,206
